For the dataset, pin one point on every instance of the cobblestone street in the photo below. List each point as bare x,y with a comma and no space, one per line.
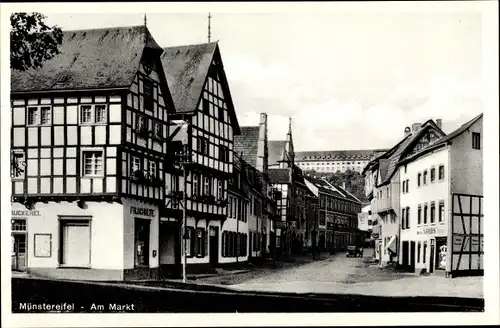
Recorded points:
338,274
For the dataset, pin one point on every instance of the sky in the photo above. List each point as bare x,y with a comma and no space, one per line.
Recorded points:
349,80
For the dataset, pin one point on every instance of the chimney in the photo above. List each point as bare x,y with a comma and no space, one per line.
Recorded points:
415,127
261,163
407,131
439,123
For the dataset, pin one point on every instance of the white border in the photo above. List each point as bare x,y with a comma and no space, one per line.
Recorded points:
489,9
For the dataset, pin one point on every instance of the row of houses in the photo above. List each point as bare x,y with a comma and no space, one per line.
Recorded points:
426,200
122,151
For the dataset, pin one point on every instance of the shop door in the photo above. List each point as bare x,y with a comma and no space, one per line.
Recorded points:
405,255
19,252
76,244
214,246
412,256
432,260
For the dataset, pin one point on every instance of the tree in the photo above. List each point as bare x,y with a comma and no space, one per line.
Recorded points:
31,41
354,182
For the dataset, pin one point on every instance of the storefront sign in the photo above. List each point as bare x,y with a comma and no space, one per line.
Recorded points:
142,211
431,231
24,214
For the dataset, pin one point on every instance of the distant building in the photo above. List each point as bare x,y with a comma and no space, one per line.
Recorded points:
335,160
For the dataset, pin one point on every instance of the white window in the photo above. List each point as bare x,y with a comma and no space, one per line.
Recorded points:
90,114
40,115
195,184
86,114
140,123
18,165
136,164
219,190
158,130
206,186
152,169
92,163
100,113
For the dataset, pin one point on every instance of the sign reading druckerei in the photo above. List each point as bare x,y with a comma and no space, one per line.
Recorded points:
144,211
23,214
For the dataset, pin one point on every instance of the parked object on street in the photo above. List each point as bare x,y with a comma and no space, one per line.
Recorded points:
354,251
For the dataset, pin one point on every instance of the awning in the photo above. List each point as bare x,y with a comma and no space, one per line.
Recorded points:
391,245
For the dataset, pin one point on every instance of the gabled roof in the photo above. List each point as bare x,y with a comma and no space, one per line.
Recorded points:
464,127
187,68
275,150
247,143
402,147
348,195
279,175
324,187
89,59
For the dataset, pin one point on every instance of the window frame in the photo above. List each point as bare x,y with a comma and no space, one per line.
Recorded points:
476,140
23,163
83,163
439,172
39,110
441,217
148,98
93,114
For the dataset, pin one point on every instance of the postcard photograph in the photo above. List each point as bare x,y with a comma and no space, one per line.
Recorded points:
329,158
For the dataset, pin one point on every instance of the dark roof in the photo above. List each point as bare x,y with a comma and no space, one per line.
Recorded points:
383,168
348,195
247,143
324,187
275,149
186,68
338,154
89,59
298,176
279,175
445,139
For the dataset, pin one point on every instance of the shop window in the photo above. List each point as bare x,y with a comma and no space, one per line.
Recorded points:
425,252
189,242
142,242
18,164
199,243
75,242
43,245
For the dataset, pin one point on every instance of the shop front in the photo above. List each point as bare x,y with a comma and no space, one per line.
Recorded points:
85,240
430,249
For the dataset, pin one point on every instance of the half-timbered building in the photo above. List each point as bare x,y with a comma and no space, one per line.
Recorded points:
200,91
252,145
88,154
288,179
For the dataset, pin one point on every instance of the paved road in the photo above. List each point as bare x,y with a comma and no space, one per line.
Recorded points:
338,274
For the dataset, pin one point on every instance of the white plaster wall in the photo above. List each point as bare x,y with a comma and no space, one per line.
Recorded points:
106,232
433,191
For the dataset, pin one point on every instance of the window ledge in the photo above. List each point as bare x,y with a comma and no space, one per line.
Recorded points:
92,177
